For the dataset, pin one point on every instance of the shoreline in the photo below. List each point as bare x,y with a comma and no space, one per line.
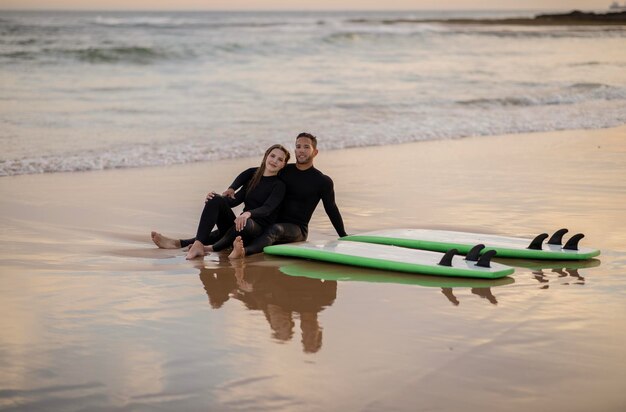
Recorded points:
325,150
87,297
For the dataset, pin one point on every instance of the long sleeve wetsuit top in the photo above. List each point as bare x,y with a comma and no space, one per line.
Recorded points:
303,191
262,201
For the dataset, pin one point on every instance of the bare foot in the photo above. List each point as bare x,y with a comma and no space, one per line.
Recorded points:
240,275
165,242
208,249
238,250
196,250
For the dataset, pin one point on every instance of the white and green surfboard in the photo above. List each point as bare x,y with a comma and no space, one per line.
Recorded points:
392,258
506,247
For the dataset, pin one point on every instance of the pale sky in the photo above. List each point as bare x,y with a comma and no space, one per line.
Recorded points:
565,5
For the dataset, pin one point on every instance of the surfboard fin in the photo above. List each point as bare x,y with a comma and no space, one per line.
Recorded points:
485,259
557,237
536,242
474,253
446,260
572,243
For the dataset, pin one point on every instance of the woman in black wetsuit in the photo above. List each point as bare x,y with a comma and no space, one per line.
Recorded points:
261,196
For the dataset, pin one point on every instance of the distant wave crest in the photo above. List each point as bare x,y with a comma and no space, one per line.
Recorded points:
572,94
140,55
165,22
97,55
416,32
540,33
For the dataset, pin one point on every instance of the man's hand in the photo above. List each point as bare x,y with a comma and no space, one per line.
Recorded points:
230,192
210,196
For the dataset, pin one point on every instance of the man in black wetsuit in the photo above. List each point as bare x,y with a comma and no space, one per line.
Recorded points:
305,187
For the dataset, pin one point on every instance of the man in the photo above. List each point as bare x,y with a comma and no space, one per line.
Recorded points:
305,187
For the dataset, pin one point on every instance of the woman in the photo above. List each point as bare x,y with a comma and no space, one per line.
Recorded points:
261,196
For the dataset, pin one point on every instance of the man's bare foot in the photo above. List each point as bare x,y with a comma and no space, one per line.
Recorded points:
196,250
165,242
208,249
238,249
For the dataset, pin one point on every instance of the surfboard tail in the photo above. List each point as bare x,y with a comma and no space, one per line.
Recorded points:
572,243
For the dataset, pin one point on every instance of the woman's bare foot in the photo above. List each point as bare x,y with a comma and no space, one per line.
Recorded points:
238,250
196,250
165,242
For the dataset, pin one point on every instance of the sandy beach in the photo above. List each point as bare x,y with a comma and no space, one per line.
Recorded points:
97,318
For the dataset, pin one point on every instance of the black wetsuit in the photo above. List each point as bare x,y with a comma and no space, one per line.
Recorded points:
262,202
304,190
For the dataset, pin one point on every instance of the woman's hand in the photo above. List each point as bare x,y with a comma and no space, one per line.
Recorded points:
241,221
230,192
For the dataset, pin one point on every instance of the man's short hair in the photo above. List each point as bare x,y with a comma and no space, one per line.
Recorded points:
309,136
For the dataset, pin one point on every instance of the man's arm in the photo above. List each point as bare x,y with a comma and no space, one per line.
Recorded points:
328,199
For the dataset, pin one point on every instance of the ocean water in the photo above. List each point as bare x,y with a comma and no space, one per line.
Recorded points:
100,90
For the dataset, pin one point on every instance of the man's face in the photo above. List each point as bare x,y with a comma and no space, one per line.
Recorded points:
304,151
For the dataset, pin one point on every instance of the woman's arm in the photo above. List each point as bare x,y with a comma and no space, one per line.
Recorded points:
243,178
271,203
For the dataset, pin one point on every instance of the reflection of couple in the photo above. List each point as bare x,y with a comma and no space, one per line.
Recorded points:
279,296
279,200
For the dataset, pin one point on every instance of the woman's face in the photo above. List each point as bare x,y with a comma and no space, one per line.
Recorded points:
275,161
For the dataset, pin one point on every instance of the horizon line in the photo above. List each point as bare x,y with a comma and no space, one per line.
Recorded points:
284,10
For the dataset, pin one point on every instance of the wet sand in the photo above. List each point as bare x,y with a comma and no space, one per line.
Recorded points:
97,318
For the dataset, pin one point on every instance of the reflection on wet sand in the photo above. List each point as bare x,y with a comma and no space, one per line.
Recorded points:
484,293
544,278
566,272
300,290
280,297
479,287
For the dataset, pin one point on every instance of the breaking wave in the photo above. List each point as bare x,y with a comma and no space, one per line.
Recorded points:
575,93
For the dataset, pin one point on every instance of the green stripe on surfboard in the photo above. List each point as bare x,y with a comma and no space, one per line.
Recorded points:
387,258
442,241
